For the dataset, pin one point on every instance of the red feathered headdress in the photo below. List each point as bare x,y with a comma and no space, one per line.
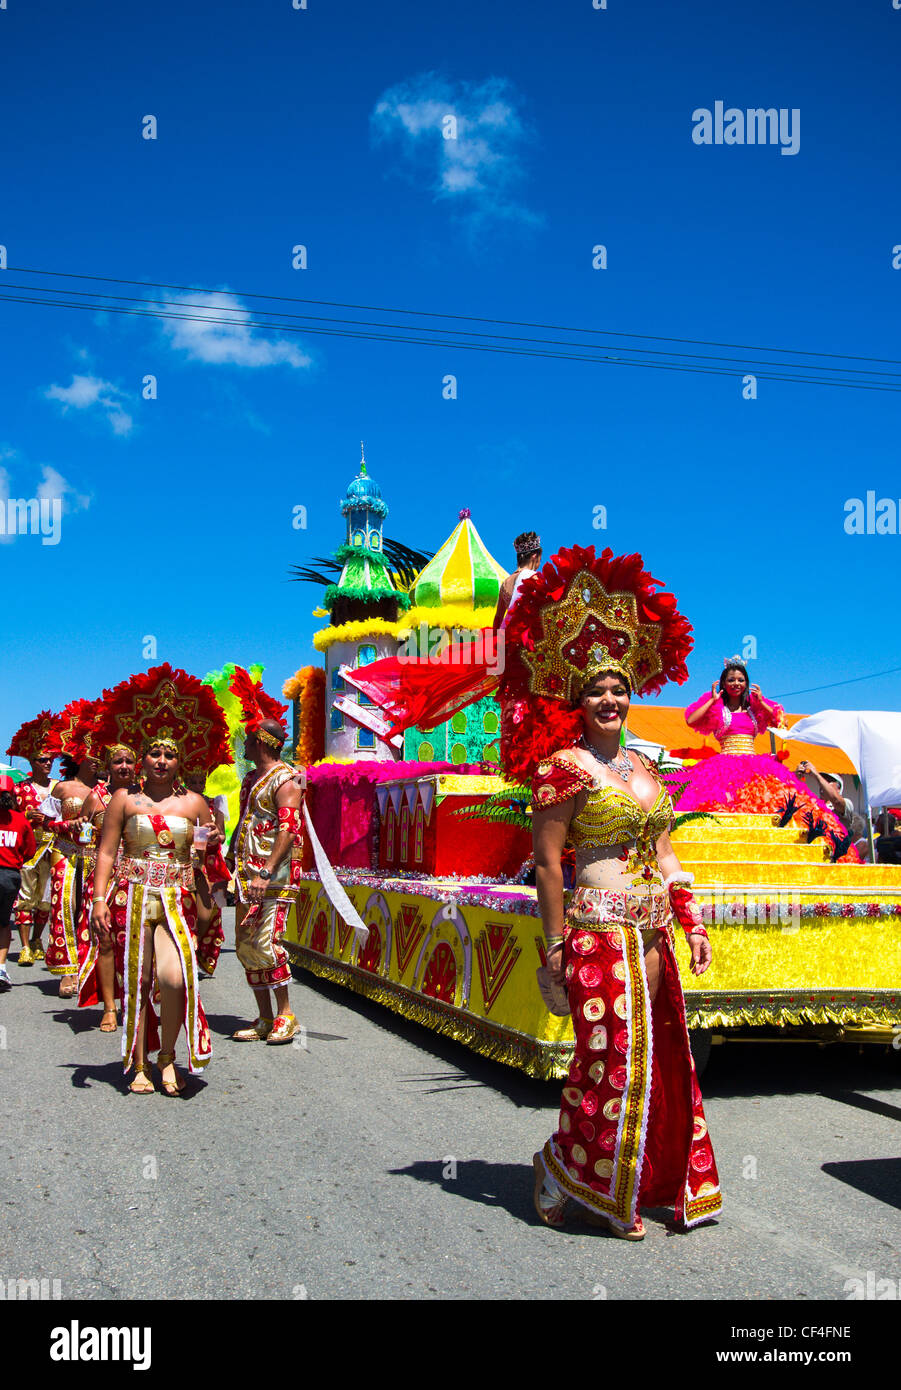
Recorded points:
32,738
73,731
581,614
256,705
168,706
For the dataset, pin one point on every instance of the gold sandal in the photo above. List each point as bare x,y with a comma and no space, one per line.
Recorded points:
142,1073
284,1028
635,1232
258,1031
551,1210
106,1027
172,1088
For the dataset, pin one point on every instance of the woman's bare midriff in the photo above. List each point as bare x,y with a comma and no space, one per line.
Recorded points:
606,868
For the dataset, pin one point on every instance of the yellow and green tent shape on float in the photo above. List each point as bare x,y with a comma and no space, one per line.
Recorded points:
462,572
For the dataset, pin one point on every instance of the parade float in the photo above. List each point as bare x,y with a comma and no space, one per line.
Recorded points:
432,847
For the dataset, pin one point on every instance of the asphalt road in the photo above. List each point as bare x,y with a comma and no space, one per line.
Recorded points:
382,1162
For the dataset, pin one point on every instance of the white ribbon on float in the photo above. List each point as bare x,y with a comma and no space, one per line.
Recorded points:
333,889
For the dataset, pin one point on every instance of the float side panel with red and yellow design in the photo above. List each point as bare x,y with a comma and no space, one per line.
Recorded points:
461,959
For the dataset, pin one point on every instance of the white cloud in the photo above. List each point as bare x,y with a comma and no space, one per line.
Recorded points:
4,494
52,487
478,167
86,392
53,484
224,336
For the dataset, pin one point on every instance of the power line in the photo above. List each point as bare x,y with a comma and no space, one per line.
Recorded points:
404,336
853,680
311,318
461,318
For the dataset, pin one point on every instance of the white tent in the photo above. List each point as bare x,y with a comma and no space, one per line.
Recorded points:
872,741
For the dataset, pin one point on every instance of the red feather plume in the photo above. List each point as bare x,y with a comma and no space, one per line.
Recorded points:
256,705
31,738
73,730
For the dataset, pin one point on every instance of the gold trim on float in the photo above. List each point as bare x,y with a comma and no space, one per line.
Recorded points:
545,1061
796,1007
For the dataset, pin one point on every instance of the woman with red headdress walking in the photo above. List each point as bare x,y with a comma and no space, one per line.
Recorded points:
587,633
71,739
32,909
97,968
170,716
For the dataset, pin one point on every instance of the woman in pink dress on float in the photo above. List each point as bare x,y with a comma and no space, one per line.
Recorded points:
738,779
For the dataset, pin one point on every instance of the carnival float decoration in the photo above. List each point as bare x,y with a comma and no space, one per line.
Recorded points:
433,846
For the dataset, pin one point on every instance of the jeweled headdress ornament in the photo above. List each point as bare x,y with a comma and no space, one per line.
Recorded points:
31,739
256,706
580,615
73,731
169,708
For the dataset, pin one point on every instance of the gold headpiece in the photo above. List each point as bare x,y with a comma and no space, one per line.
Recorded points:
265,737
112,750
162,738
590,630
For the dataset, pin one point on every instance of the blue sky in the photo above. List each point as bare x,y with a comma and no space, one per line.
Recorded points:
278,127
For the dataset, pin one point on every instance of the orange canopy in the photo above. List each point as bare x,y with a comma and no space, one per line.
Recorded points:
666,724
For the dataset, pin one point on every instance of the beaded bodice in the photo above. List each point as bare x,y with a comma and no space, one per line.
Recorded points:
613,817
615,840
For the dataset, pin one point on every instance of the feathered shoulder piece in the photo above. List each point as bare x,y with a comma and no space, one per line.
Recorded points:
31,739
165,705
256,705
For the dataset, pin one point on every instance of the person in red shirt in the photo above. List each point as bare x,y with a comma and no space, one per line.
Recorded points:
17,844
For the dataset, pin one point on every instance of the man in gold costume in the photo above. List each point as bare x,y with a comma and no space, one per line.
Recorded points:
266,853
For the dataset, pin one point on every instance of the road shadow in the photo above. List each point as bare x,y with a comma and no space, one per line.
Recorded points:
877,1177
509,1186
774,1068
467,1069
86,1020
224,1025
869,1103
49,987
111,1075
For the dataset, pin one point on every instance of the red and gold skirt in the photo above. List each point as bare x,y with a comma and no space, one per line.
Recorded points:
632,1131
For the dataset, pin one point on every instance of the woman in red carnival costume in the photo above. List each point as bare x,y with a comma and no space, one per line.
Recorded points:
212,878
72,738
32,908
169,716
588,632
97,970
737,779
